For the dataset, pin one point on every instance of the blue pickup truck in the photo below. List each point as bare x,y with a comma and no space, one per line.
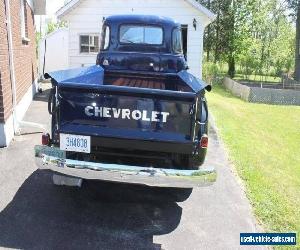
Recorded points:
137,116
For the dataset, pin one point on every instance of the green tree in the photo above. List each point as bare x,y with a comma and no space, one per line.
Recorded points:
254,34
52,26
294,5
227,33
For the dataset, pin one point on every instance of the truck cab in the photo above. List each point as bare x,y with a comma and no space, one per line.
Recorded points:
141,43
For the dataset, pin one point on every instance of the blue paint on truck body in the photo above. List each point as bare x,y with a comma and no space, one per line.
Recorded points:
93,77
124,105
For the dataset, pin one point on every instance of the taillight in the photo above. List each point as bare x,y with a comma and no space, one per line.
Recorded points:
204,141
46,139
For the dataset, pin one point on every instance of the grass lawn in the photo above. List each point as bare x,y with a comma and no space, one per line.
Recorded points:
263,142
257,79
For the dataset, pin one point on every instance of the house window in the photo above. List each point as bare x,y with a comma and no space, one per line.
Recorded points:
89,44
23,17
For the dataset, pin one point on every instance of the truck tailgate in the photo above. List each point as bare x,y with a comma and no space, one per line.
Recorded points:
128,113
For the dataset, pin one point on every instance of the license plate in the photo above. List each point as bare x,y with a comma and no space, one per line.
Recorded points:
75,143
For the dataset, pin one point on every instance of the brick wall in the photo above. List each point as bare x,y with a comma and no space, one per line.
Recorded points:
24,57
5,85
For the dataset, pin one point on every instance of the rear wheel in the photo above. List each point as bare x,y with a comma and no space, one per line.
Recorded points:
190,162
186,162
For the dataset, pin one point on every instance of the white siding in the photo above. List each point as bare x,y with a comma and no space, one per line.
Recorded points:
56,52
87,18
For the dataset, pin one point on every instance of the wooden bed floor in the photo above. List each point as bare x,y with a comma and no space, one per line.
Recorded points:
139,83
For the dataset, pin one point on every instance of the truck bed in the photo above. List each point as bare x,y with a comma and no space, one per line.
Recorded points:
149,82
128,110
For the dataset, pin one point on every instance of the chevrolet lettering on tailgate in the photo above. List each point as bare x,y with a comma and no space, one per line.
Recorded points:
144,115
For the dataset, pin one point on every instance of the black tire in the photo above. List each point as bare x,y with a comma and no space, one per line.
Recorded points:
192,162
185,162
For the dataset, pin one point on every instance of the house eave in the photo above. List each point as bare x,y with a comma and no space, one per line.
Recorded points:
210,16
66,8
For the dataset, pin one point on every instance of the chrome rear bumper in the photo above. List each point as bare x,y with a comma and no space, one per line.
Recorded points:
54,159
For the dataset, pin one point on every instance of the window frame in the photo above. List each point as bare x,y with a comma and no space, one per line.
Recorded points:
186,27
89,35
24,21
141,25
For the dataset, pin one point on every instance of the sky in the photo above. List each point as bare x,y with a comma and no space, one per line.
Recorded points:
51,8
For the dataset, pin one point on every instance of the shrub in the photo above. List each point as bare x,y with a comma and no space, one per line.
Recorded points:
210,71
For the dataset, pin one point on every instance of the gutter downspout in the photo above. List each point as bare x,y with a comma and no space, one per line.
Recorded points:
12,67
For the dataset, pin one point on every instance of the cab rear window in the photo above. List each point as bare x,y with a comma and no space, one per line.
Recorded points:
139,34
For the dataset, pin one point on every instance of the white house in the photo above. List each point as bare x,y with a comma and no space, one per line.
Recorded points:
84,19
54,49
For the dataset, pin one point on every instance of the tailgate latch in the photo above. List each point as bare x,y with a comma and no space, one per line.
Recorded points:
192,109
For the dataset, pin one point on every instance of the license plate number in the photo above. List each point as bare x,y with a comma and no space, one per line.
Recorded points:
75,143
